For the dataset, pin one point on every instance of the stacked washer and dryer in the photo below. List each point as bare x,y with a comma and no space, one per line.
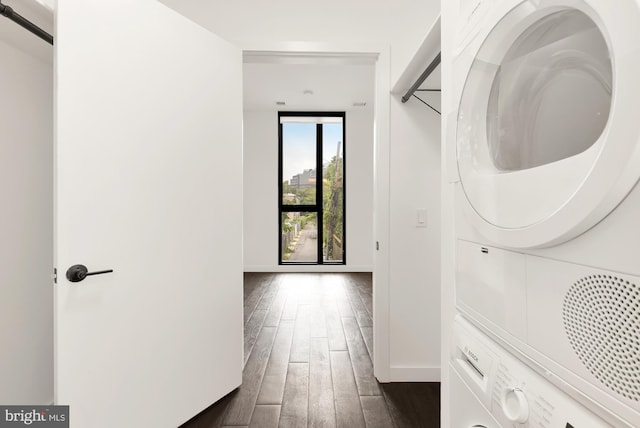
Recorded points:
547,145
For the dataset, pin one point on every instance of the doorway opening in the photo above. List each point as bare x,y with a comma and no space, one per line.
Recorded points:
351,79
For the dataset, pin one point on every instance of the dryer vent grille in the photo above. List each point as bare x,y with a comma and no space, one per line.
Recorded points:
601,316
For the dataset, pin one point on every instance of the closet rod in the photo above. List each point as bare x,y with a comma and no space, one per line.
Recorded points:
8,12
427,72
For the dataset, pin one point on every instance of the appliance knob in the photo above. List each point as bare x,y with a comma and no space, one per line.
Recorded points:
515,405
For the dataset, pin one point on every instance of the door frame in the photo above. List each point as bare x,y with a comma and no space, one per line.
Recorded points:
380,54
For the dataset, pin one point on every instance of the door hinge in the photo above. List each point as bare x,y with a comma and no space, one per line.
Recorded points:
54,276
377,246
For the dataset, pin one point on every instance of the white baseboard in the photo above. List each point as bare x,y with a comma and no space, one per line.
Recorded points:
414,374
309,268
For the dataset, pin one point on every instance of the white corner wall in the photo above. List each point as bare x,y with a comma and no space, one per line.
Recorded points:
415,251
26,228
261,193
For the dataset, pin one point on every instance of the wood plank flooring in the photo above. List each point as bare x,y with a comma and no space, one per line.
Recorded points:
308,361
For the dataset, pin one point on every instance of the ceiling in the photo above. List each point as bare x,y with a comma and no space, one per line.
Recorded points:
335,86
327,82
308,85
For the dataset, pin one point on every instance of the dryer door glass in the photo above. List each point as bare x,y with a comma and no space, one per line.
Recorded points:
547,127
536,100
551,95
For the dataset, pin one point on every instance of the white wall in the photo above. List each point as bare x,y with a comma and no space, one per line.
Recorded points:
261,193
449,23
26,226
260,169
401,24
415,251
359,182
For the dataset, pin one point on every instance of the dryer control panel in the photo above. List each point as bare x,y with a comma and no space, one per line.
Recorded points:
515,395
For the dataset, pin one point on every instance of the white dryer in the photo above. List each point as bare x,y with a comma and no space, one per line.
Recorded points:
547,161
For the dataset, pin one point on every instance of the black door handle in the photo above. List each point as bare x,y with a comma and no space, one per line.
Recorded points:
77,273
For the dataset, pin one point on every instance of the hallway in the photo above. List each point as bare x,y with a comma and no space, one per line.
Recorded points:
308,346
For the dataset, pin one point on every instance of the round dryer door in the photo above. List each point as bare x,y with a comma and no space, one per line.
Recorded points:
548,133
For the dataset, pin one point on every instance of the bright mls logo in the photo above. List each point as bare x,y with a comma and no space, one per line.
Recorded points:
34,416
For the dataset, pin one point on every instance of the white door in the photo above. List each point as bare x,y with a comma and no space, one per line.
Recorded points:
148,182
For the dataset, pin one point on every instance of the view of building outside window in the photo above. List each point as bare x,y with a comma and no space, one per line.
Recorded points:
299,163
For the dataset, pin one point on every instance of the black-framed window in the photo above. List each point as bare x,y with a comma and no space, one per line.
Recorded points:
311,188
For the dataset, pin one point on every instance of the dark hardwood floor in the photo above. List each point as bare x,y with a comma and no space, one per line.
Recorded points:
308,347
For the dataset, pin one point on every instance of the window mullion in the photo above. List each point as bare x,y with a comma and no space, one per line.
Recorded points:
319,196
